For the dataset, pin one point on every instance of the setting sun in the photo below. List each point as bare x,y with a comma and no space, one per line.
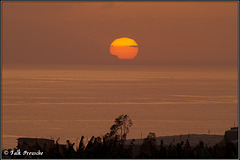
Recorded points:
120,79
124,48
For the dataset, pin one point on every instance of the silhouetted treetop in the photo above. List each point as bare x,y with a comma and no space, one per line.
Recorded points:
120,128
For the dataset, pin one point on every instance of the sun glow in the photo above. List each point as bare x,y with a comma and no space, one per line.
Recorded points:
124,48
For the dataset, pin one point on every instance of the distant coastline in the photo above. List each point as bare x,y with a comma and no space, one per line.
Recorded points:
209,139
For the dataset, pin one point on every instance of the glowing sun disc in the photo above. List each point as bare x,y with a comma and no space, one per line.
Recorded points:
124,48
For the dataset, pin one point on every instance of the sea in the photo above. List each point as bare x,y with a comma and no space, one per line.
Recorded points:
68,102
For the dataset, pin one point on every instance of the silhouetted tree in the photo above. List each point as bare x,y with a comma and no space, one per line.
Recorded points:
148,149
120,128
163,150
71,153
81,148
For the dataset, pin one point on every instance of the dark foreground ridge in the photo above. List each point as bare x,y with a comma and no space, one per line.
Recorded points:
114,145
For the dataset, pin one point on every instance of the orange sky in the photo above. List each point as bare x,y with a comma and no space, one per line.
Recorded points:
73,33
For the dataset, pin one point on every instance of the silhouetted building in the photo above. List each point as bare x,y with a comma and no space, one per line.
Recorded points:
231,135
35,144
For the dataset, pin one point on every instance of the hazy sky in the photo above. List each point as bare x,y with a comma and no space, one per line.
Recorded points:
81,33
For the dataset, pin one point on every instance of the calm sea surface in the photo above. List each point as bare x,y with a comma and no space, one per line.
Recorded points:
69,103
